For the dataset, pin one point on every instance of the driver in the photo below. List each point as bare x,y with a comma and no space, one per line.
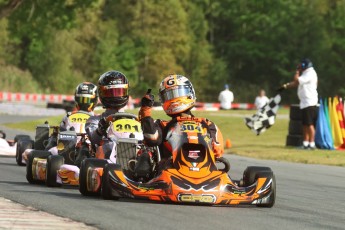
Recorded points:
86,99
113,93
177,96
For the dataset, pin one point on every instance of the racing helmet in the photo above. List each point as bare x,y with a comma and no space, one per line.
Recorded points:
176,94
86,96
305,63
113,89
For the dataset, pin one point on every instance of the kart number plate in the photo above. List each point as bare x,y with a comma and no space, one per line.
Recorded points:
127,125
78,118
190,127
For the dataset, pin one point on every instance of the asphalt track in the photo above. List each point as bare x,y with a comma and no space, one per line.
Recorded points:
308,197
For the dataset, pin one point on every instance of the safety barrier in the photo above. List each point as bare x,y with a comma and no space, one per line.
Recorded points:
133,102
34,98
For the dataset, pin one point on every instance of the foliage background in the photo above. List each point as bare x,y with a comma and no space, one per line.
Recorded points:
50,46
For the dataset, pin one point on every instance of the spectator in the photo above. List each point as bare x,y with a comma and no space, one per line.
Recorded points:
261,100
226,97
306,80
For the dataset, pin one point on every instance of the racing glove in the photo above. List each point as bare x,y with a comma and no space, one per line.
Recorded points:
148,100
103,125
146,105
282,88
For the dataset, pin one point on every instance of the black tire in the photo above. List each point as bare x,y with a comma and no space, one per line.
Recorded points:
22,145
21,137
106,192
295,127
294,140
272,196
295,112
249,175
31,156
83,177
54,163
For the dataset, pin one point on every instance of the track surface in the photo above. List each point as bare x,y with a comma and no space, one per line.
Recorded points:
308,197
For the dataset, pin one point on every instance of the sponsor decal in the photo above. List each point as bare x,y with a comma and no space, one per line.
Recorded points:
193,154
64,136
203,198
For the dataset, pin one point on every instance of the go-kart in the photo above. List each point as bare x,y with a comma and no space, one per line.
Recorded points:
7,147
63,160
192,175
126,136
25,142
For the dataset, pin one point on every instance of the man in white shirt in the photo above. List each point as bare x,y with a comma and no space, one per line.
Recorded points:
261,100
306,80
226,97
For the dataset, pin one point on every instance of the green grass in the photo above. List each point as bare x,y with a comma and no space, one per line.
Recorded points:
268,145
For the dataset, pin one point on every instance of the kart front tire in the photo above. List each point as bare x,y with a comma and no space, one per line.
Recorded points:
83,177
31,156
106,192
54,163
272,196
22,145
249,175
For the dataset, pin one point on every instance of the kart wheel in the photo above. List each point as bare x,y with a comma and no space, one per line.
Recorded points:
107,193
22,145
83,175
21,137
29,170
249,175
295,112
272,196
294,140
295,127
54,163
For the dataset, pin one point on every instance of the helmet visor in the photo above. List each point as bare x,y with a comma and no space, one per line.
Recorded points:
114,91
169,94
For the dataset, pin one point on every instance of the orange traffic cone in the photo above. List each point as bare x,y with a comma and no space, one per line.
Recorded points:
228,143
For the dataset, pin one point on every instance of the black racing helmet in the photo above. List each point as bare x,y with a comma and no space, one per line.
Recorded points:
86,96
113,89
306,63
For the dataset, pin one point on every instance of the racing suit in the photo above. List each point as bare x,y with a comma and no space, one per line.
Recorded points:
103,145
155,132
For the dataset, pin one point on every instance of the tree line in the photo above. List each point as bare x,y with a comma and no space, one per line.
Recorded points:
50,46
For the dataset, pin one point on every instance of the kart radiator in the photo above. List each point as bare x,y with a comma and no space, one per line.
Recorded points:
126,151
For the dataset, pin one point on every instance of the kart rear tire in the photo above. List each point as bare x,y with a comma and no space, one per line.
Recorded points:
272,196
85,165
295,112
54,163
295,127
21,137
31,156
22,145
249,175
106,192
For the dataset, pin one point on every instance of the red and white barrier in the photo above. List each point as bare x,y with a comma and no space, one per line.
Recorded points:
34,98
133,102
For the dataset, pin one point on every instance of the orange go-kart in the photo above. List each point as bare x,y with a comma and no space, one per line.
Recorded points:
192,175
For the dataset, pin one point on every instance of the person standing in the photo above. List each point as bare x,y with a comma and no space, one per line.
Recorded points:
306,80
226,97
261,100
